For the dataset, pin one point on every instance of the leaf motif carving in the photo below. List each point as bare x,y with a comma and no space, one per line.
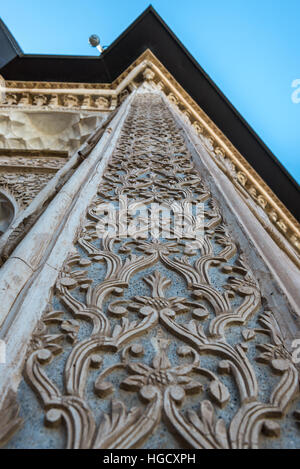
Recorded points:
113,425
248,334
219,393
177,324
210,432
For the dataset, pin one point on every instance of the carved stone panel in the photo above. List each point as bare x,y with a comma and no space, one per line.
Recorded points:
24,186
157,341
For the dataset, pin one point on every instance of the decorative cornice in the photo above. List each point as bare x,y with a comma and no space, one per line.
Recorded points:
105,97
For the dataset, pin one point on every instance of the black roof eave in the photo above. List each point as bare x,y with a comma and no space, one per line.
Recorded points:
9,48
149,31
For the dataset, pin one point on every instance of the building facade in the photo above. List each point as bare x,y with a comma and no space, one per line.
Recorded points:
149,280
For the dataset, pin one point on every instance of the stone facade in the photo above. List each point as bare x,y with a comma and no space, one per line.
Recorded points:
196,350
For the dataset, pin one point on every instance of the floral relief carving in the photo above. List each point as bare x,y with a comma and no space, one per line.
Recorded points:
24,186
168,331
241,174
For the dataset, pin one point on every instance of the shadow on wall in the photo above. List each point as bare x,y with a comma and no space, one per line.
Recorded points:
7,212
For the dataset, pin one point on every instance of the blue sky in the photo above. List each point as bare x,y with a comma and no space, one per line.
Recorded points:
249,48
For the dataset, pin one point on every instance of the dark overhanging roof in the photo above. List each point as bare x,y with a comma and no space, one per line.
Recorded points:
9,48
150,32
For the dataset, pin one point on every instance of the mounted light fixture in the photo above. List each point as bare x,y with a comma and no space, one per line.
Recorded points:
94,41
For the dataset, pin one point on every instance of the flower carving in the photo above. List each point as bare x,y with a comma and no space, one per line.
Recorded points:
161,374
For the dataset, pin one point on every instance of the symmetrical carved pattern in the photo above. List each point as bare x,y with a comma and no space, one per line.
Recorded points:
55,100
178,347
47,96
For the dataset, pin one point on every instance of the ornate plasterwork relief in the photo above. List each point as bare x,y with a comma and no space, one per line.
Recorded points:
234,165
24,186
279,222
157,336
23,173
34,146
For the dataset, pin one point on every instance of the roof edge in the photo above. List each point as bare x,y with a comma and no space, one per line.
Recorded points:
151,12
11,38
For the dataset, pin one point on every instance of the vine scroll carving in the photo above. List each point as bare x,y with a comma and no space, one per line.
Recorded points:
159,341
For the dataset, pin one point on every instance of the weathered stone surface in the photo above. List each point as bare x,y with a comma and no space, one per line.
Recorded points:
159,342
